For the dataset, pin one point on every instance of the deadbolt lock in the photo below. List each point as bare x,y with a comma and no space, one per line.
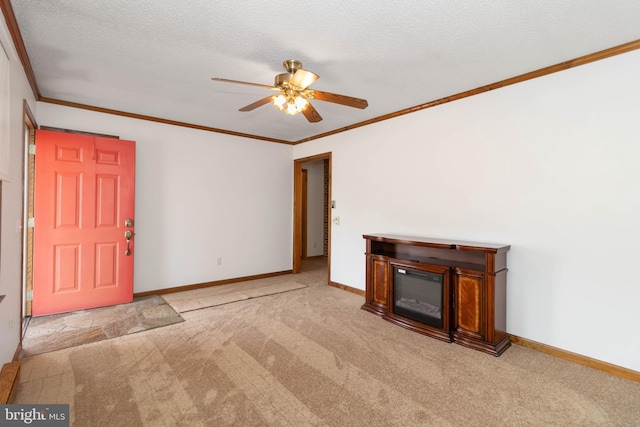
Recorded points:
128,222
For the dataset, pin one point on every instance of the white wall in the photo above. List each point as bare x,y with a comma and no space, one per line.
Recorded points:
315,207
12,190
549,166
200,196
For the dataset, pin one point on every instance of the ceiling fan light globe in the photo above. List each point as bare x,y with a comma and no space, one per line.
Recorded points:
301,102
291,109
279,101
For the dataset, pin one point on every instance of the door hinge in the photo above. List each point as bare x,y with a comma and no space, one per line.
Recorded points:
32,149
29,295
31,222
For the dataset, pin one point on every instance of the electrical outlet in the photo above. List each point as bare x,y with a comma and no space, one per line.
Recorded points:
336,220
11,321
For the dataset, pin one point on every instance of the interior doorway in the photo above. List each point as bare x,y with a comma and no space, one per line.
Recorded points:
301,201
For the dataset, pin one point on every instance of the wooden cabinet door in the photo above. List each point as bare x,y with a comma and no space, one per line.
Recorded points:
379,271
469,312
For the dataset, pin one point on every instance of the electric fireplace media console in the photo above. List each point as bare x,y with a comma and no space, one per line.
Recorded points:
451,290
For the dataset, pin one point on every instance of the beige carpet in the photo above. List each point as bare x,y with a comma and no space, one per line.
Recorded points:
58,331
313,358
226,294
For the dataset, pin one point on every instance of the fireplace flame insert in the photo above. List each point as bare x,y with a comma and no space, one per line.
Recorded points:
418,295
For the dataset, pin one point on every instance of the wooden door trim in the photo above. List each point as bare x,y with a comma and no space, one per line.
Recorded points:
305,212
26,282
297,211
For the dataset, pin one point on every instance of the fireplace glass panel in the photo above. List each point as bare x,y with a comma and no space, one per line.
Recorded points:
417,295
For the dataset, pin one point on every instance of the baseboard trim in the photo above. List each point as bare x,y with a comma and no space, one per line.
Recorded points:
347,288
9,377
609,368
209,284
16,355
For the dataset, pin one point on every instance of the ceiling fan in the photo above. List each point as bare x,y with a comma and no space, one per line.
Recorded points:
295,95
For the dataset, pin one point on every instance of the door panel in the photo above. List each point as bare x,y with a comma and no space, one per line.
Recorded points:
106,264
68,199
469,294
380,272
67,268
84,191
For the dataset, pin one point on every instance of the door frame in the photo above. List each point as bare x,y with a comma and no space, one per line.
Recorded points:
28,161
304,230
298,210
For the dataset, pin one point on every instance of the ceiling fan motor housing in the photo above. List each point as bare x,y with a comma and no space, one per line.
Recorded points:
282,79
292,65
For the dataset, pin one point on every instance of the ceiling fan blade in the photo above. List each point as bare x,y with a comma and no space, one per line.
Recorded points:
311,114
303,78
339,99
218,79
256,104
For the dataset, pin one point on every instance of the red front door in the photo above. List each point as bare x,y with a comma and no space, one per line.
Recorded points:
84,195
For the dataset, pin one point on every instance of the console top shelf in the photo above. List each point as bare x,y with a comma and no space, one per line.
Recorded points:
438,243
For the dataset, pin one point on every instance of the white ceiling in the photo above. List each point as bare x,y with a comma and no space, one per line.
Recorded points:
156,58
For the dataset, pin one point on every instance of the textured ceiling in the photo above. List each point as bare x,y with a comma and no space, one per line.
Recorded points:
156,58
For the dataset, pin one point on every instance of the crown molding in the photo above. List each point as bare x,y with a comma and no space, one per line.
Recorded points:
160,120
18,43
586,59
